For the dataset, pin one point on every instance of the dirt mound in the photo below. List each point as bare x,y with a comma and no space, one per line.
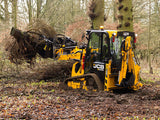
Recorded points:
58,70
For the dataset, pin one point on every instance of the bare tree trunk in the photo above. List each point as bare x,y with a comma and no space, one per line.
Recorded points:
114,11
125,16
157,10
96,13
29,4
39,5
72,9
149,39
14,13
6,11
0,15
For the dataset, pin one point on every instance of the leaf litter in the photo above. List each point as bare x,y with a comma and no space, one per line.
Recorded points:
47,100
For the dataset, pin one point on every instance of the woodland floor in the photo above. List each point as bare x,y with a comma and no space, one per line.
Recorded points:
24,98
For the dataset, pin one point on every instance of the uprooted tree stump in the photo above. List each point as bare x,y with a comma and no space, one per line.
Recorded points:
39,39
29,44
24,46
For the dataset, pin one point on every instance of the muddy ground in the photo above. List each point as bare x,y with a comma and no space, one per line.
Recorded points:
23,98
36,92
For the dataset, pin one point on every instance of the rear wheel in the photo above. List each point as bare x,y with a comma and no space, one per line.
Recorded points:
94,83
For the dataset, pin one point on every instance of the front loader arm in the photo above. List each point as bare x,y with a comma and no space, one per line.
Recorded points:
69,53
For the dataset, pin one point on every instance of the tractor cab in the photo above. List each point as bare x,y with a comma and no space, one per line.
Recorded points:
104,46
99,51
98,45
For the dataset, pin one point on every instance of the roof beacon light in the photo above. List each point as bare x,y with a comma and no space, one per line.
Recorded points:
102,27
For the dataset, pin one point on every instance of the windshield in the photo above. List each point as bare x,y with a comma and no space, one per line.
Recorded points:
116,46
99,43
95,41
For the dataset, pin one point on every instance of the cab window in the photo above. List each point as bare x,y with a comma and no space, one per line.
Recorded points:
116,46
95,42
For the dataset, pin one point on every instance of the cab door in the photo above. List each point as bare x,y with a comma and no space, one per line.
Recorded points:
97,51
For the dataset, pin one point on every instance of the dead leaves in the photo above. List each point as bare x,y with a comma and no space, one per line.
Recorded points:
55,103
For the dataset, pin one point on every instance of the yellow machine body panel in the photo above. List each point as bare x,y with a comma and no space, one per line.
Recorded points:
73,53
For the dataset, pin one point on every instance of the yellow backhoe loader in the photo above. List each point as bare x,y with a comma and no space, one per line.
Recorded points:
106,63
